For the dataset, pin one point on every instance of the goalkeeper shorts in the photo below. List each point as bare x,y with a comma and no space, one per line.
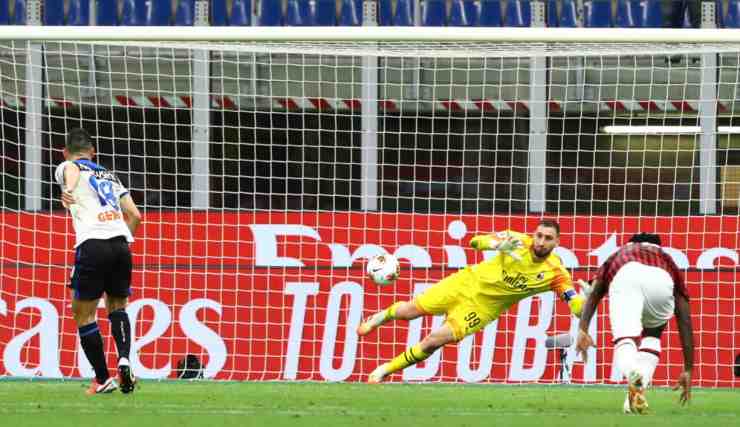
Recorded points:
454,297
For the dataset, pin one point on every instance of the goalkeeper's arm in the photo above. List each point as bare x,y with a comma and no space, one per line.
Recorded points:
503,241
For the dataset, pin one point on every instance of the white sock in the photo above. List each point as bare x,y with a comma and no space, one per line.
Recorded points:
648,358
625,356
123,362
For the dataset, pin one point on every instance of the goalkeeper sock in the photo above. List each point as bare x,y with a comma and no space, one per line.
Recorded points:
390,312
648,357
409,357
121,329
92,345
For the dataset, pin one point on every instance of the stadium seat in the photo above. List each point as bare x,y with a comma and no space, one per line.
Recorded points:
219,14
552,13
568,14
241,14
639,13
351,13
79,12
157,13
19,13
435,13
518,13
53,12
732,19
490,13
271,13
326,13
185,13
628,13
106,12
653,14
298,13
404,13
597,13
385,12
4,12
463,13
133,12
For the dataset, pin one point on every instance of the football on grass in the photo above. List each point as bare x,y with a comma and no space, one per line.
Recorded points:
383,269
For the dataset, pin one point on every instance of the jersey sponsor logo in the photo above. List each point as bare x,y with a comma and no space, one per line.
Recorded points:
109,216
516,282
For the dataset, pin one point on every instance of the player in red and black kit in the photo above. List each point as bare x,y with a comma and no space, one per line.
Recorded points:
645,289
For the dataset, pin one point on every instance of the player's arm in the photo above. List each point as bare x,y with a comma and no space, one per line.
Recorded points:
503,241
686,333
597,290
132,216
71,179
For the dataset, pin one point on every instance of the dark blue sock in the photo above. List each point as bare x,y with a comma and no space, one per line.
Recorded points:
92,344
121,329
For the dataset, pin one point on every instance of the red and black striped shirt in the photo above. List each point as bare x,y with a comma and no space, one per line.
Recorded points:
645,254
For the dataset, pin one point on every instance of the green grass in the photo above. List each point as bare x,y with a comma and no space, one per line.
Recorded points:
271,404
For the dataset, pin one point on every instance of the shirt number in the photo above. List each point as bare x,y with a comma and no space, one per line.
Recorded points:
104,190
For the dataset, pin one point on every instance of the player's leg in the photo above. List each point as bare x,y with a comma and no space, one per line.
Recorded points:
87,286
463,319
657,286
626,302
414,354
118,288
434,300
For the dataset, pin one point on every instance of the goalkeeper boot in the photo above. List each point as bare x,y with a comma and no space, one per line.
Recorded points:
126,378
626,406
371,323
636,393
109,386
376,376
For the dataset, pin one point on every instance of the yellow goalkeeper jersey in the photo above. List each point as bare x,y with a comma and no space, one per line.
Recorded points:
507,278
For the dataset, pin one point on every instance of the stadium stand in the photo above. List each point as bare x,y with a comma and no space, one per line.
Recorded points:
568,14
53,12
185,13
490,13
79,12
404,16
270,13
597,13
463,13
326,13
351,13
298,13
241,14
219,13
106,12
518,13
19,13
435,14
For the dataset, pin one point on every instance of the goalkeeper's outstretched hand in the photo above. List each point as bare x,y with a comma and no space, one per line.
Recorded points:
482,242
586,288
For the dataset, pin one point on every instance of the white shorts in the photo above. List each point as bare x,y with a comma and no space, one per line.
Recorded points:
640,296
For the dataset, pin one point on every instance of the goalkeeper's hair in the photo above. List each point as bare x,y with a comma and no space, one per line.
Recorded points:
550,223
646,238
78,140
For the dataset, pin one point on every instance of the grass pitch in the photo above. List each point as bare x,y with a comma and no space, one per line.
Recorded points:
272,404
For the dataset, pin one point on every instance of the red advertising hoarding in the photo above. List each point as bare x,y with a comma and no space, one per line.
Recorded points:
275,295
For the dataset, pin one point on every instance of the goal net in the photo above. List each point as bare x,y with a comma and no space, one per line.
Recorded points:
268,171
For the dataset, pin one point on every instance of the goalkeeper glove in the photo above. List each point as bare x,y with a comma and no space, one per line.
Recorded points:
576,304
586,288
480,243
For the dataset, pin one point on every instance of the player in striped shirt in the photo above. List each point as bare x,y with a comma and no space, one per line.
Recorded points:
477,295
105,219
645,289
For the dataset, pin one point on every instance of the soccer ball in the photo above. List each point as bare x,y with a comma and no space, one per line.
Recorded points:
383,269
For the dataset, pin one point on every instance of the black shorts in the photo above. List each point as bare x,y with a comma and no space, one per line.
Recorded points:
102,266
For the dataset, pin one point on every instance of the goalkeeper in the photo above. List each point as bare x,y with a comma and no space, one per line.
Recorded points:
477,295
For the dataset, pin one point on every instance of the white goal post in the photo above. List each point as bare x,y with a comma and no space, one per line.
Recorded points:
271,162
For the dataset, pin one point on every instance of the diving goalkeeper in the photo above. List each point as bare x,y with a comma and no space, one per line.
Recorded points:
477,295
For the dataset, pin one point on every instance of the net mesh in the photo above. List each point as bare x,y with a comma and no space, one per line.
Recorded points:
265,280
